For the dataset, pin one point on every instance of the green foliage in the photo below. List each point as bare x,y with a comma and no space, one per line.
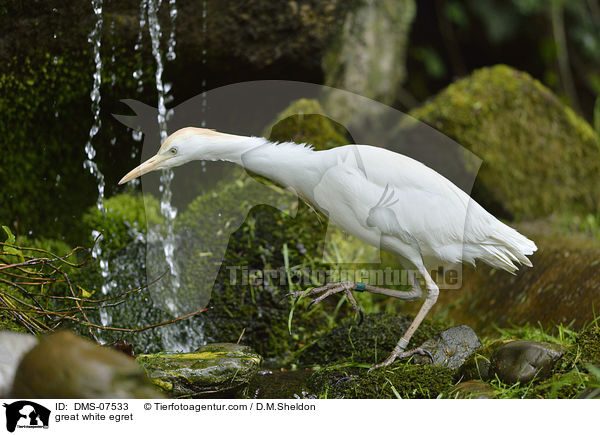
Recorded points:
560,334
10,240
588,224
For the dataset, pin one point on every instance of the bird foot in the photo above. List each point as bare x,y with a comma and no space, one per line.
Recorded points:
404,354
330,289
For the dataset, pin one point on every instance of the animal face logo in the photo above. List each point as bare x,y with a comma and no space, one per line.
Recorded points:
26,414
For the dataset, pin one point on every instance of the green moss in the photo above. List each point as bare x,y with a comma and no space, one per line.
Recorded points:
126,216
7,321
561,386
46,117
406,381
588,342
370,343
256,310
539,157
304,121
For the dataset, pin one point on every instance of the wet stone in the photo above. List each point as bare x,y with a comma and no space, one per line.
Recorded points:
67,366
523,360
474,389
450,348
215,370
477,365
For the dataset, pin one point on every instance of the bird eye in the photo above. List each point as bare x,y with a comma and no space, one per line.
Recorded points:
173,150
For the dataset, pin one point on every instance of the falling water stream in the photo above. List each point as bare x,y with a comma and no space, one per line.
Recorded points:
174,336
95,38
180,336
167,209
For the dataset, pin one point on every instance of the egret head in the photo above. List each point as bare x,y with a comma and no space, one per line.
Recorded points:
183,146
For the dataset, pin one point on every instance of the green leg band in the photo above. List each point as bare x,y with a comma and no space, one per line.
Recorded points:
360,287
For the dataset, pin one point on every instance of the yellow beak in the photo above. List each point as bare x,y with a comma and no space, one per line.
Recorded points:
148,166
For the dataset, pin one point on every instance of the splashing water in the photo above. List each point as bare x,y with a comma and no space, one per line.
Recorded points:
204,53
94,38
182,337
172,42
167,209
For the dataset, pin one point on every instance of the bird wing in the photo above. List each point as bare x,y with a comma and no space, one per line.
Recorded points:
406,200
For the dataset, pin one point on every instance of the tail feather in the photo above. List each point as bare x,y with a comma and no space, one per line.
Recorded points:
506,247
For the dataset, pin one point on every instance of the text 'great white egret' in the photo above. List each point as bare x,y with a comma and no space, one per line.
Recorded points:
383,198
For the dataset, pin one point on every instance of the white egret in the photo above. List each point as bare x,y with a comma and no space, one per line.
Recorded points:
383,198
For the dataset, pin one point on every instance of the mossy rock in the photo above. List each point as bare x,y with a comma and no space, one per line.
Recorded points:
525,360
473,389
450,348
304,121
401,380
215,370
539,157
125,217
255,310
370,342
123,248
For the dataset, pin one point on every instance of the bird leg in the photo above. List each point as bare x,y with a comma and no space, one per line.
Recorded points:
330,289
399,351
347,286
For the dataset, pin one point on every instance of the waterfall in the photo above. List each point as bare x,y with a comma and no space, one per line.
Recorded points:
182,336
167,208
95,38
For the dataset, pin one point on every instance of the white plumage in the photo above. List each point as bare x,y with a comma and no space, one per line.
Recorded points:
385,199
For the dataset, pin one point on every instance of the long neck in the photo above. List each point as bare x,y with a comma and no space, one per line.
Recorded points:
288,164
229,147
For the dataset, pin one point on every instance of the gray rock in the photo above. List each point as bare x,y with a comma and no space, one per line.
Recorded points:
477,365
64,365
523,360
13,345
217,370
474,389
450,348
367,57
